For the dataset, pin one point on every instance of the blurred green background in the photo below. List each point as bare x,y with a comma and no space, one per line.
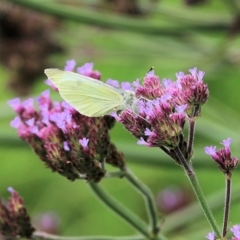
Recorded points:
123,39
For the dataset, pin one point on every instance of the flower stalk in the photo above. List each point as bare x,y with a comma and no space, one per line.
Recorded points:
121,210
227,204
44,235
149,200
198,192
191,132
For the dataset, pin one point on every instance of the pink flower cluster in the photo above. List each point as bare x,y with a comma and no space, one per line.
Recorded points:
222,157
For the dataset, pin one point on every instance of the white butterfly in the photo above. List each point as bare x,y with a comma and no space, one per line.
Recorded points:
89,96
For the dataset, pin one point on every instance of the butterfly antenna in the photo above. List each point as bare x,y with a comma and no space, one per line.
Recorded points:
152,68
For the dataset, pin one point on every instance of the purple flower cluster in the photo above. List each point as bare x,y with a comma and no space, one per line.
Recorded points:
14,219
163,108
223,157
69,143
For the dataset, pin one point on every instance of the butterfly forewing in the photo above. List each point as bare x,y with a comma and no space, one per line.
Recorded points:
88,96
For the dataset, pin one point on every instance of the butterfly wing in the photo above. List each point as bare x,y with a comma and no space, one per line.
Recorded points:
88,96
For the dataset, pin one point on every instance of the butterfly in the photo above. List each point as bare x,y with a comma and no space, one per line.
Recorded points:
89,96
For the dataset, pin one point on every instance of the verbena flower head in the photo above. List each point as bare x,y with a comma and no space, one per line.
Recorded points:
163,107
66,141
14,218
223,158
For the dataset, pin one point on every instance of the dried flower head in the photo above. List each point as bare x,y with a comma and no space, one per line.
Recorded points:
14,218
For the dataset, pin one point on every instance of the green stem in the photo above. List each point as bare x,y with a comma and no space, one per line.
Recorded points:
119,174
199,194
148,197
87,16
144,25
43,235
190,137
191,131
121,210
227,204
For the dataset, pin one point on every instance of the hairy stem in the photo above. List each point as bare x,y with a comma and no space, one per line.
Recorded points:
198,192
148,197
121,210
43,235
227,204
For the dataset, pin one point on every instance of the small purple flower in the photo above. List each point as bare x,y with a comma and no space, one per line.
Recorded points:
210,236
84,142
15,104
87,70
66,146
211,150
28,104
226,144
50,83
30,122
141,141
167,83
70,65
45,117
113,83
136,83
44,98
35,130
10,189
181,109
148,132
200,75
126,86
16,122
66,105
165,97
180,75
193,71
